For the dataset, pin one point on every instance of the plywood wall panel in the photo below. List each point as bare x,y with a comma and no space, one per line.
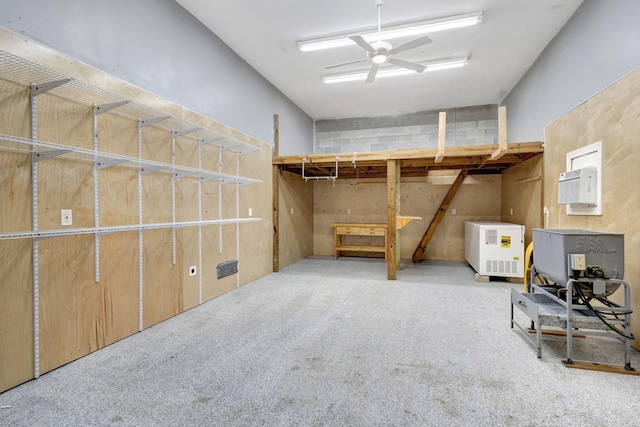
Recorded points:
64,121
190,257
65,184
156,198
162,280
522,187
611,117
117,134
156,144
15,189
118,195
15,109
210,206
212,286
477,199
296,230
16,313
119,301
66,269
186,151
256,252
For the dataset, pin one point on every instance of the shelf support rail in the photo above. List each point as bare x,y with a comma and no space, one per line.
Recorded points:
37,89
141,124
200,225
174,135
97,166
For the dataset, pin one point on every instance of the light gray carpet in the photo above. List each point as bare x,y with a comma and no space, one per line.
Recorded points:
332,342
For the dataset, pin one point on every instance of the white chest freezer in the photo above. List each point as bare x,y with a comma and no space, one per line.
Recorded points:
494,248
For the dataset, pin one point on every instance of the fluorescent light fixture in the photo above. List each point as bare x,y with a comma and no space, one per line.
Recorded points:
394,32
390,72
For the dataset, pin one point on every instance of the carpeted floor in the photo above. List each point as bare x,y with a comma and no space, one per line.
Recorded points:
332,342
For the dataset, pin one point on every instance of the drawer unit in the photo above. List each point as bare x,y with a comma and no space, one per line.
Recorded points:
348,231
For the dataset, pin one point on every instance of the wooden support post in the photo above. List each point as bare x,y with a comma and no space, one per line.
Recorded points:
502,134
392,166
428,235
276,135
442,136
276,218
276,195
397,179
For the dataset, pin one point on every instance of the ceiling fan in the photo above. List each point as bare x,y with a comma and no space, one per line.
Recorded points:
380,51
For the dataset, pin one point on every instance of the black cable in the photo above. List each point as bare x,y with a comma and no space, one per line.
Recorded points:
600,316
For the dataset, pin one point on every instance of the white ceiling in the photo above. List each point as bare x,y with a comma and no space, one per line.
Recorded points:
500,49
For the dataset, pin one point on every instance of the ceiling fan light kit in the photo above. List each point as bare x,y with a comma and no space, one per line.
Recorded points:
394,32
381,52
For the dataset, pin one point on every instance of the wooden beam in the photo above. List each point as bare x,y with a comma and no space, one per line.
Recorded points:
380,157
276,218
428,235
590,366
442,136
502,134
392,166
276,134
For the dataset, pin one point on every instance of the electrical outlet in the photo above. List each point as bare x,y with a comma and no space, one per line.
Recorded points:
192,270
250,212
349,211
453,211
511,211
291,211
66,217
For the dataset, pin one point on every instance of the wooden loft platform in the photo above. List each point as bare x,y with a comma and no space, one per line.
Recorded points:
476,159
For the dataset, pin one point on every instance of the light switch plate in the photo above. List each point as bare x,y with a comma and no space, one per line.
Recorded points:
192,270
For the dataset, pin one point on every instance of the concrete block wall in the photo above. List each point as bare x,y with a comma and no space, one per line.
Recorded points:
476,125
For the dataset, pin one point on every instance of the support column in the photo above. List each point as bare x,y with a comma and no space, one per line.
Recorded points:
276,218
393,167
398,232
276,195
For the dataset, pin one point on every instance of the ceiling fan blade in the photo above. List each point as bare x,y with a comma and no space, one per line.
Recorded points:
372,73
418,68
346,63
362,43
412,44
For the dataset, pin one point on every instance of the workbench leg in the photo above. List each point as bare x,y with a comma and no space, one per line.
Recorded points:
539,341
336,242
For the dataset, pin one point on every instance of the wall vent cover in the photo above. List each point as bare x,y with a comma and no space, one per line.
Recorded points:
227,268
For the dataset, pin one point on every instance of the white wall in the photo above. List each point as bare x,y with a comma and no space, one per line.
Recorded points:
599,45
160,47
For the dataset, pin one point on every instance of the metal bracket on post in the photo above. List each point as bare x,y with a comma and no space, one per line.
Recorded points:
46,155
176,133
148,122
99,109
107,164
39,89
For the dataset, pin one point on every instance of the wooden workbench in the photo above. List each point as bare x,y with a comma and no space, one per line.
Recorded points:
356,229
369,229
